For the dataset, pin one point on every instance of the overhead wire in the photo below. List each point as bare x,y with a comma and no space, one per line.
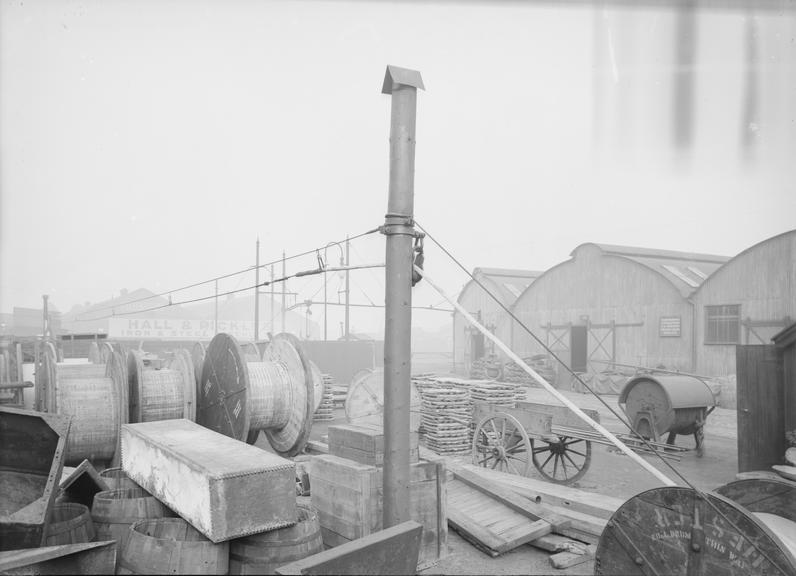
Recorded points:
195,284
697,491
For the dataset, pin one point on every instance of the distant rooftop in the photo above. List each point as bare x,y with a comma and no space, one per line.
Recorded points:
510,282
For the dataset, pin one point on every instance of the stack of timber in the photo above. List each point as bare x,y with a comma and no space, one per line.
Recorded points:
364,443
348,498
446,417
496,520
588,512
325,410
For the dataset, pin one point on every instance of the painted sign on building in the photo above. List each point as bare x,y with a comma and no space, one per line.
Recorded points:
669,327
177,329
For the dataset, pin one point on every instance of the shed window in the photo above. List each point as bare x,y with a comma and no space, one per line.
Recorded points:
723,324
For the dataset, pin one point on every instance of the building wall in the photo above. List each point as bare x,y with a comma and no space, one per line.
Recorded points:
762,279
605,289
474,299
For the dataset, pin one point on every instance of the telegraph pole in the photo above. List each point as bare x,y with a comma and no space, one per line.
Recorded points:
272,299
402,84
347,264
215,325
283,291
257,294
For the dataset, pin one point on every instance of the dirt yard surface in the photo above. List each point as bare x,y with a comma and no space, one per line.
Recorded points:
611,473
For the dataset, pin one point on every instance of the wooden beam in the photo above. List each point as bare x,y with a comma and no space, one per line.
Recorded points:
512,500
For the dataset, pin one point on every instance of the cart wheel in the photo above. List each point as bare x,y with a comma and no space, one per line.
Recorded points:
563,461
501,443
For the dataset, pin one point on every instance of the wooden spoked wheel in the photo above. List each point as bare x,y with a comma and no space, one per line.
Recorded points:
564,460
501,443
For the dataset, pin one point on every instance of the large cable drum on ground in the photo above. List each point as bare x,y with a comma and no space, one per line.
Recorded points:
657,404
94,395
679,531
165,393
239,398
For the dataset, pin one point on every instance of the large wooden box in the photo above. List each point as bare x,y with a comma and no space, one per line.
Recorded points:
364,443
223,487
348,498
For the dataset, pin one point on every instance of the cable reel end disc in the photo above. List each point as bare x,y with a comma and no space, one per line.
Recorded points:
223,389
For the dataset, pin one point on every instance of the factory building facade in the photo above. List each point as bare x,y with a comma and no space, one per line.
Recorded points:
506,285
746,301
613,304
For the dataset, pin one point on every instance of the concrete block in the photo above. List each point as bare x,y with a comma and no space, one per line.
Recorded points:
223,487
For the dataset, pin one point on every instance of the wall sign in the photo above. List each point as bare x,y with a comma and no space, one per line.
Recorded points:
669,327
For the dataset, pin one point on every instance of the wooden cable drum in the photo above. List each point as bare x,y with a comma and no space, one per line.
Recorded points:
114,511
250,351
164,394
116,479
94,354
95,396
70,523
171,546
364,402
198,356
317,386
675,530
263,553
239,398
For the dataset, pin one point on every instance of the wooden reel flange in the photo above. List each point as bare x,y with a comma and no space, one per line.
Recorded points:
677,531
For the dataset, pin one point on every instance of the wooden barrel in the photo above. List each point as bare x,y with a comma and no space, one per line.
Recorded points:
116,479
70,523
263,553
114,511
171,546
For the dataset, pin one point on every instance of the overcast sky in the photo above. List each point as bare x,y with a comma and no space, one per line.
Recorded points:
148,144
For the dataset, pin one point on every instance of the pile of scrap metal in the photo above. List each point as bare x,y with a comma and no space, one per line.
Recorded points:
31,465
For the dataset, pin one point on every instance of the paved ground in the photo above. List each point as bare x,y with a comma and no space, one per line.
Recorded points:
610,473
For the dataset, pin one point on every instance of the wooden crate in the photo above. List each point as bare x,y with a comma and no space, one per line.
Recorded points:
224,488
364,443
348,497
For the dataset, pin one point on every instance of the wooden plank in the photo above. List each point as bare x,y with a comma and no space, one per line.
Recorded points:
546,493
510,499
569,559
391,551
583,522
555,543
490,525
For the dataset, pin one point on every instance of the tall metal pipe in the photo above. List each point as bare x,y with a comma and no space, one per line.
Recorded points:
402,84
